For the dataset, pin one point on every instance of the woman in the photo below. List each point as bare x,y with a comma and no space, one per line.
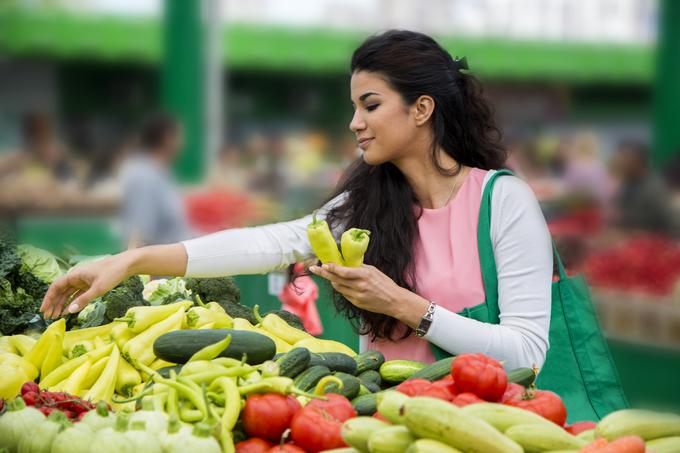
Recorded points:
429,146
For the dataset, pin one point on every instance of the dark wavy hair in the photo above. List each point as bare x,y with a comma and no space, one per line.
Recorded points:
379,198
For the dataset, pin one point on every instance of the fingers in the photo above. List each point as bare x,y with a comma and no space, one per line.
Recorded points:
79,302
344,272
330,276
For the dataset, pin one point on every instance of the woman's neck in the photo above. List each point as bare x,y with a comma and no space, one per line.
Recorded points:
433,189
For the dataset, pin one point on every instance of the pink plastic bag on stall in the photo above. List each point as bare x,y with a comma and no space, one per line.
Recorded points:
300,299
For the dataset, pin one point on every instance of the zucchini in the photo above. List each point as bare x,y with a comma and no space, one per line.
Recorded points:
369,360
356,431
435,371
335,361
179,345
397,371
308,379
350,385
365,404
548,436
393,439
294,362
370,376
522,376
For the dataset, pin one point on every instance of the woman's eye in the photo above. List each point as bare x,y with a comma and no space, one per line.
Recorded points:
370,108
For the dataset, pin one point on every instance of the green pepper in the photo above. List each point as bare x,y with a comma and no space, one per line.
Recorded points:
282,385
354,243
322,241
211,351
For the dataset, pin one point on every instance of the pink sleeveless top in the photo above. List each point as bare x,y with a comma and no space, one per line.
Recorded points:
446,263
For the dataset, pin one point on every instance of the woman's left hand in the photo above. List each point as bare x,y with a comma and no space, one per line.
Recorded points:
365,287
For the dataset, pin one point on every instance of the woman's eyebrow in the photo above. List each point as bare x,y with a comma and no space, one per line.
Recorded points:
365,95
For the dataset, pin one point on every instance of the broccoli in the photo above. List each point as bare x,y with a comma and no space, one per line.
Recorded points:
292,319
236,310
9,259
17,308
126,295
215,289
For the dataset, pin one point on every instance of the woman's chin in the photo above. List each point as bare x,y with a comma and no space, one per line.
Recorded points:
372,158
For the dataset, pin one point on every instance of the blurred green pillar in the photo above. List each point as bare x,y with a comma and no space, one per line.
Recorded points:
182,81
666,133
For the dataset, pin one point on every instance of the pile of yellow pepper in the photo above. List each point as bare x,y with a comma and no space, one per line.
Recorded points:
116,358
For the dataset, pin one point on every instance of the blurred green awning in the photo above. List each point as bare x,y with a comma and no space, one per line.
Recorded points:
59,34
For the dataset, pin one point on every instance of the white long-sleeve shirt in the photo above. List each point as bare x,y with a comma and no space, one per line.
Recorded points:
522,250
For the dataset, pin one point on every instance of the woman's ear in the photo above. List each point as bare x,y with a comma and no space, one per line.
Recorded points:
422,109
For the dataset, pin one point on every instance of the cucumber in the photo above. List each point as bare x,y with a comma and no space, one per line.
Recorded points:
356,431
502,416
179,345
393,439
365,404
310,377
397,371
335,361
371,387
638,422
664,445
440,420
350,385
294,362
371,377
522,376
390,404
369,360
435,371
538,438
430,446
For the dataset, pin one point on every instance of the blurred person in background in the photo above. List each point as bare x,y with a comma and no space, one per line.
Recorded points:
41,156
584,173
152,210
642,200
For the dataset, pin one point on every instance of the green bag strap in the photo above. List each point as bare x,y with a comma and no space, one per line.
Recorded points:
485,247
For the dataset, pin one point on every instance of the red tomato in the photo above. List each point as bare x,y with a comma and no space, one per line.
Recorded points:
443,390
268,416
479,374
253,445
578,427
413,387
286,448
463,399
543,402
336,405
511,390
316,427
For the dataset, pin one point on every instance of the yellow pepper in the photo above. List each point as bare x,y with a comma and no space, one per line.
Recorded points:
15,361
141,318
106,384
322,241
354,243
198,317
54,358
244,324
12,380
121,334
72,337
139,350
280,328
39,352
65,370
74,383
318,345
7,346
94,372
127,378
22,343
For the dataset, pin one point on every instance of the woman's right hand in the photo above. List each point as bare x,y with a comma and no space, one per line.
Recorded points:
70,293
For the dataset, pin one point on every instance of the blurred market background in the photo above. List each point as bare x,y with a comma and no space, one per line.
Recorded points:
587,93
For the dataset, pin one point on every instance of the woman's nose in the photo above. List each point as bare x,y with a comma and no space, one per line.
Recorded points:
357,122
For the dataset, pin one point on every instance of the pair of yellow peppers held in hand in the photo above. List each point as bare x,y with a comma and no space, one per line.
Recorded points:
354,243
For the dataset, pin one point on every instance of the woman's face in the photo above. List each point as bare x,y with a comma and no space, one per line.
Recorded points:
383,125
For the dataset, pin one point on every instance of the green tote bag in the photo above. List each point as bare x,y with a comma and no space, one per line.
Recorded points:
578,366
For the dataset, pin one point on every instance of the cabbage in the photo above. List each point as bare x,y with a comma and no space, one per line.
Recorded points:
39,262
163,291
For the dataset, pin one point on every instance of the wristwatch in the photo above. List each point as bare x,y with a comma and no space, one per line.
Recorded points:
426,320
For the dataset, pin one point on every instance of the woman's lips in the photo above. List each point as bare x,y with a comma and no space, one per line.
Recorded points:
363,143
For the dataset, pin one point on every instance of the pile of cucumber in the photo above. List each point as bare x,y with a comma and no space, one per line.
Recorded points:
366,374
